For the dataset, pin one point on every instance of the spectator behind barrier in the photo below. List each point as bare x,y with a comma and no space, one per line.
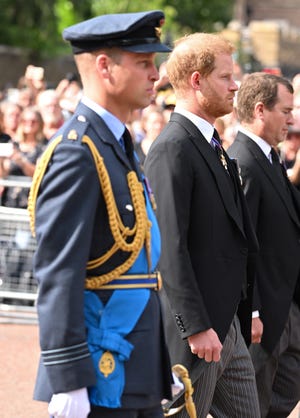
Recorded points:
48,105
11,116
69,91
26,148
153,122
290,152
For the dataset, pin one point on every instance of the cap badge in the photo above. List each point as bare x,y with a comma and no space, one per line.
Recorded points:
158,32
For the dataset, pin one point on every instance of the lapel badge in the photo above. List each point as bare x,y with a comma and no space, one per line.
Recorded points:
223,161
150,194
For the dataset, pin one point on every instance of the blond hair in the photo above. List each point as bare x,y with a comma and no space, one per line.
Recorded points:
196,52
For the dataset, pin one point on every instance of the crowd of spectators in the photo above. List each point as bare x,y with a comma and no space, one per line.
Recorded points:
32,112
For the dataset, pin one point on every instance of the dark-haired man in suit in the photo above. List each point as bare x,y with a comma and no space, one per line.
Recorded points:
264,105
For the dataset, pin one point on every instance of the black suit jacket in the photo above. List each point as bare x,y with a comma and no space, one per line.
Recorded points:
206,239
277,225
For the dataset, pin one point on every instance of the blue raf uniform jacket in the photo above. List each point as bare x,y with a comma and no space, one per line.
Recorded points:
72,227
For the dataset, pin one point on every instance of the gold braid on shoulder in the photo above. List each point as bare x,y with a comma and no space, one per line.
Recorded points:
38,175
139,235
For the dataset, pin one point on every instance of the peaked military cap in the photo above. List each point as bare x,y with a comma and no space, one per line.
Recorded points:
135,32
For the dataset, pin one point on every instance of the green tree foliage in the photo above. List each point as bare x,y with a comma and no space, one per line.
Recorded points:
201,15
28,24
37,24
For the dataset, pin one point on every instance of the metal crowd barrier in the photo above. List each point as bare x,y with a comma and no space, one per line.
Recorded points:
18,289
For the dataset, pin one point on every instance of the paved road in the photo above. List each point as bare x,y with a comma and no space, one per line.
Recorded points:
19,353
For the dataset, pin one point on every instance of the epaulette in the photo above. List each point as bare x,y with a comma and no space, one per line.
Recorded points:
74,130
78,127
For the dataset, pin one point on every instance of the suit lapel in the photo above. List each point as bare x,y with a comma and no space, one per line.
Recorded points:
214,165
266,166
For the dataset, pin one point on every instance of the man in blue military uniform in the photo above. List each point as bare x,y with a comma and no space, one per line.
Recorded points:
102,345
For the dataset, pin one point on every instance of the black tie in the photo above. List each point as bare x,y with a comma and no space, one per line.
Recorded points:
217,137
216,144
278,166
281,173
129,147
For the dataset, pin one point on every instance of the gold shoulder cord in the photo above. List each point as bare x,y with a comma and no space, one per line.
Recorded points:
37,178
140,231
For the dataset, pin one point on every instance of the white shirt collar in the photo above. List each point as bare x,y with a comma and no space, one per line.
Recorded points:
205,127
263,145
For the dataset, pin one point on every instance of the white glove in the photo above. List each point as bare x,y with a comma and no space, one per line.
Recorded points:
176,387
74,404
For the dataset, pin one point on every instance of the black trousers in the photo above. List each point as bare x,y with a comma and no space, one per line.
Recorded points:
99,412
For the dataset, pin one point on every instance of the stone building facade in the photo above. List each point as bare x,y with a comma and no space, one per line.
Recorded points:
247,10
271,30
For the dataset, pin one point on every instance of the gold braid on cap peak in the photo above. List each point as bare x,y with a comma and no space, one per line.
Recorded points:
141,231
